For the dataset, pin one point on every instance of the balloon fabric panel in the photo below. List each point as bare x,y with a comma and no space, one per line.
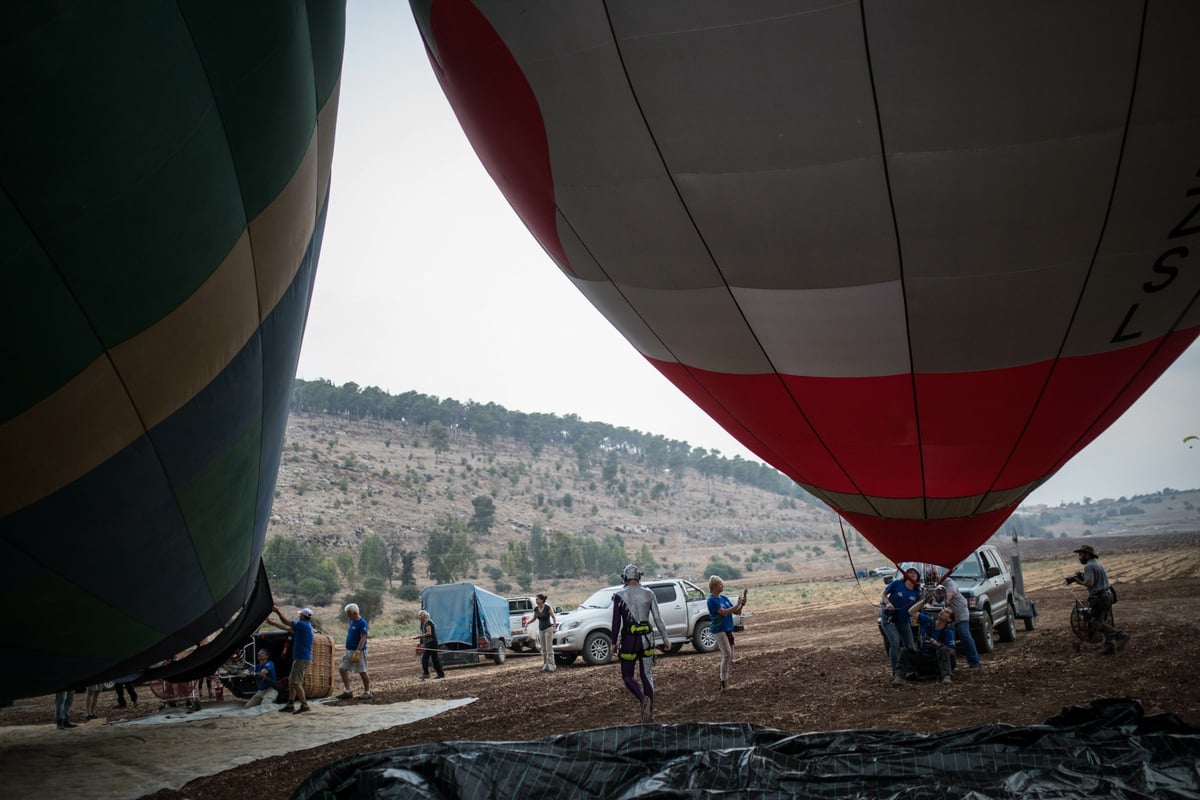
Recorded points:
46,340
501,104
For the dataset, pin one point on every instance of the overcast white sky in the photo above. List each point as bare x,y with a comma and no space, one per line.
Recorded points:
428,281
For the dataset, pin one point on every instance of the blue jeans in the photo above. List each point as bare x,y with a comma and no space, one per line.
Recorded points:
62,705
898,636
962,632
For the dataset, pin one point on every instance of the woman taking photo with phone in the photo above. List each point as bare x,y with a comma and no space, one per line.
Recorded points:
720,614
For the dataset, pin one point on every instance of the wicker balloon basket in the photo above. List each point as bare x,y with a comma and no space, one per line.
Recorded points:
318,681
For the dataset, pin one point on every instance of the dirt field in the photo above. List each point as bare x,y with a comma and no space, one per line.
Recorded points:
818,667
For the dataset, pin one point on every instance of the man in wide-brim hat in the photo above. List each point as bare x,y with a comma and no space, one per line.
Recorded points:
1100,597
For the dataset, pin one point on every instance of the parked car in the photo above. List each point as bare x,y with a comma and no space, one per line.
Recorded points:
586,630
883,572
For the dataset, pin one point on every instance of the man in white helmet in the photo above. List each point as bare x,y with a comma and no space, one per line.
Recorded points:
633,608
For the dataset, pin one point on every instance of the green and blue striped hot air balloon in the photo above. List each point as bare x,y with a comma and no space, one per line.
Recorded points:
165,175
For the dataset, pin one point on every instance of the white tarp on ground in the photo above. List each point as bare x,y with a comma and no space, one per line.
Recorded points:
137,757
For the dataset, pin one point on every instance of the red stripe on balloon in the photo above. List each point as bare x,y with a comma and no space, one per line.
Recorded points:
970,422
939,541
740,402
498,112
1080,403
869,426
859,435
760,411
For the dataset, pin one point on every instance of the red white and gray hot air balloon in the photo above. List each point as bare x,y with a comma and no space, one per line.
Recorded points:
914,255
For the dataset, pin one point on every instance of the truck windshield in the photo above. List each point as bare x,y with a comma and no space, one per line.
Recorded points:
601,599
969,568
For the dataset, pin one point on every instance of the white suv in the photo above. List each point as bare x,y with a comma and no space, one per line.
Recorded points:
683,605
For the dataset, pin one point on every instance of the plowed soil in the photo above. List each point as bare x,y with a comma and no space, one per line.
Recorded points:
820,666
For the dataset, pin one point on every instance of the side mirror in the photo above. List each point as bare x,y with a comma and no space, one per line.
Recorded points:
993,572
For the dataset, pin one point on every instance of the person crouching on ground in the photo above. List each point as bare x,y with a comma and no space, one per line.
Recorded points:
355,657
302,653
720,611
264,681
936,651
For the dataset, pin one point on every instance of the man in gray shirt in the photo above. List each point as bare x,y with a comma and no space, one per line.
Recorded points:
962,622
1100,597
633,608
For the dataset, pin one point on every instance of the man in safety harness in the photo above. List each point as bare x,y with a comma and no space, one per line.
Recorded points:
633,608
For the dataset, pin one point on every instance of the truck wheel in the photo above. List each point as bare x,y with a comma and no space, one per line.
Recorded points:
984,641
675,647
500,653
597,649
702,637
1008,628
565,659
1031,620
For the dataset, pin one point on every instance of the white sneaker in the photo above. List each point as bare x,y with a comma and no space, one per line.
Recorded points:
366,696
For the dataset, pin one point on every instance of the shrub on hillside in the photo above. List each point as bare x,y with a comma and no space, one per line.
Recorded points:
313,592
408,592
370,602
727,571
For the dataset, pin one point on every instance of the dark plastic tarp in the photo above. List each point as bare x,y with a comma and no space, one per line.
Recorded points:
1111,749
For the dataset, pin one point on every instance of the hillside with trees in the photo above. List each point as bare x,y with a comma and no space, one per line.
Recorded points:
379,495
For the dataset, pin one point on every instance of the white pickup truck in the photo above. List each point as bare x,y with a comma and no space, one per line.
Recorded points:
520,612
586,631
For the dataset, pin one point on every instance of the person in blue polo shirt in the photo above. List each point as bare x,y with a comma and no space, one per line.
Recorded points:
264,680
721,611
895,601
302,653
355,657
